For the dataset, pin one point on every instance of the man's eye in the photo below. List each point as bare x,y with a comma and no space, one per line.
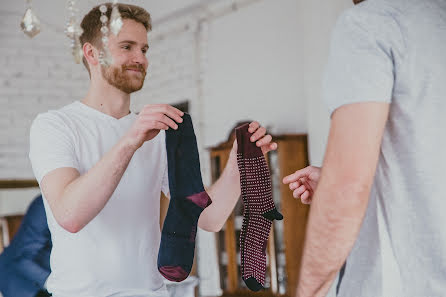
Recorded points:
144,51
126,47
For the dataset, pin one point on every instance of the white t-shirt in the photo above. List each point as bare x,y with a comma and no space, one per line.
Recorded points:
116,253
394,51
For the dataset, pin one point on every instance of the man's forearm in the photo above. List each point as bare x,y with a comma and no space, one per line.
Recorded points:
224,194
335,219
87,195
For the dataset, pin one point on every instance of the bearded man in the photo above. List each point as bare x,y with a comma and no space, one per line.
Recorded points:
102,168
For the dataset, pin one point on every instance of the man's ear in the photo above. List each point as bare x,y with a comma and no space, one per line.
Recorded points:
91,54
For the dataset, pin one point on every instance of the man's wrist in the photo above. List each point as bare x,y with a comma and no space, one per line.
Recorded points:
128,145
232,166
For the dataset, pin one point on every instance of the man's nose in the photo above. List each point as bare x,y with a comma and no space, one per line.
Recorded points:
140,58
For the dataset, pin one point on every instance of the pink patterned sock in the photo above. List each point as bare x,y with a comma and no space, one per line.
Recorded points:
259,209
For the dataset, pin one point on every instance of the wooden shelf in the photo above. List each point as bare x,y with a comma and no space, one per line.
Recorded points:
18,183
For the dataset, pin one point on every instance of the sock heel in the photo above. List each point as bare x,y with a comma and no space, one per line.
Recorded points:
272,215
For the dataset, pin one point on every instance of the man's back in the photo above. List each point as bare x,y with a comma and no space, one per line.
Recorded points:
396,49
412,155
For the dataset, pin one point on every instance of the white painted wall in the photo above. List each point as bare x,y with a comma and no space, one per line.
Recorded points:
319,18
255,70
266,62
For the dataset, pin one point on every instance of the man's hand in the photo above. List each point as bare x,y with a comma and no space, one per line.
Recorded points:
150,121
260,137
225,192
303,183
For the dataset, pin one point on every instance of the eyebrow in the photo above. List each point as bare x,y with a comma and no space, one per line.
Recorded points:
133,43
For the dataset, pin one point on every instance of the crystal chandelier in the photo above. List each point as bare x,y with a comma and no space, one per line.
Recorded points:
30,25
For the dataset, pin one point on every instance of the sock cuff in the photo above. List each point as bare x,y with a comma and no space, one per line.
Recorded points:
245,147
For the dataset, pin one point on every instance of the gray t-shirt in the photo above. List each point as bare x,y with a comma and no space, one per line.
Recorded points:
395,51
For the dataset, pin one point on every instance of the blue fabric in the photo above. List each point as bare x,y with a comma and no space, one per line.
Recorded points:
177,246
25,263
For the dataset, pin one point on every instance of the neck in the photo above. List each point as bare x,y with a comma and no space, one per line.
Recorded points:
107,99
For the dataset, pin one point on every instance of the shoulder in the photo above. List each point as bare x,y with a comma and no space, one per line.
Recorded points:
373,15
373,26
57,118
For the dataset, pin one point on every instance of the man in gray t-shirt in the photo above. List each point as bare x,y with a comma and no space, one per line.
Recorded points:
381,197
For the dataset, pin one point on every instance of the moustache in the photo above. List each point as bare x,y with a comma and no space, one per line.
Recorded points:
137,67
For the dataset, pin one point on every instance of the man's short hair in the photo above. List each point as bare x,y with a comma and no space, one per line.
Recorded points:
91,24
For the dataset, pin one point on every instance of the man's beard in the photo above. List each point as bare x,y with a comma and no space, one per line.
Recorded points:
122,80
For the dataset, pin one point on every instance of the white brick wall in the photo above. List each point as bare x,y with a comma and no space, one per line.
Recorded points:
36,75
39,74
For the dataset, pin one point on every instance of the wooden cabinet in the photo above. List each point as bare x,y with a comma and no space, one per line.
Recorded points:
9,225
285,244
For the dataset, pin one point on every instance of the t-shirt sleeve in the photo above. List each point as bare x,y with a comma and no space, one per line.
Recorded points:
360,64
52,145
165,182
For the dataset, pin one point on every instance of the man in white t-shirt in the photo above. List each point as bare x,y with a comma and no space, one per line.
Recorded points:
381,195
101,169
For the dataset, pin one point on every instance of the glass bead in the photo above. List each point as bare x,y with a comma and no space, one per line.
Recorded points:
30,24
115,21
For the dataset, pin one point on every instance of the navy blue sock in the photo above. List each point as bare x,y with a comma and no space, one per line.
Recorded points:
187,200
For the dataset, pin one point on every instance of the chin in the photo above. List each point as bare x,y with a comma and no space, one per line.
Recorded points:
132,89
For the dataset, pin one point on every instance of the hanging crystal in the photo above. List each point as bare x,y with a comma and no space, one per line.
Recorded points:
73,31
77,52
115,19
105,57
30,24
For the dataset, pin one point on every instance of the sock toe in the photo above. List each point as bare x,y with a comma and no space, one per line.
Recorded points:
173,273
253,284
273,215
